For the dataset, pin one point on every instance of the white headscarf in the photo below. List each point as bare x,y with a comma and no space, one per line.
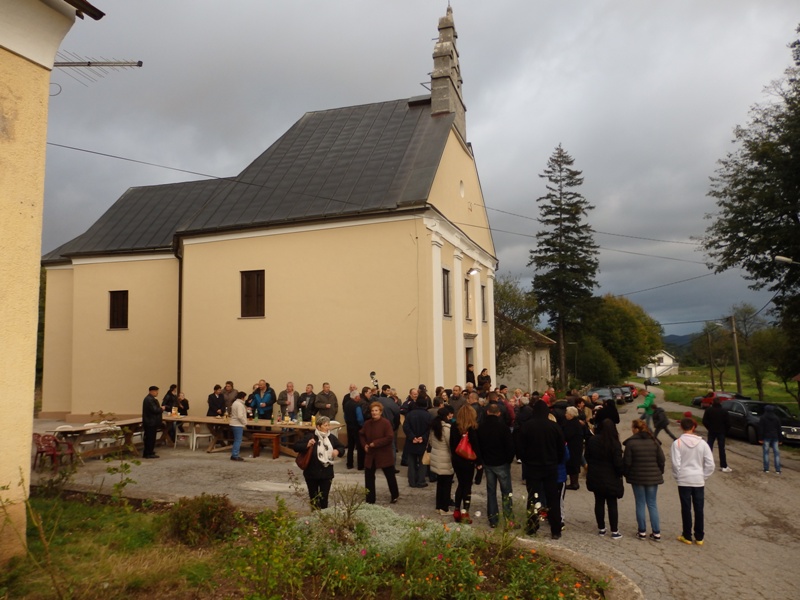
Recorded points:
324,448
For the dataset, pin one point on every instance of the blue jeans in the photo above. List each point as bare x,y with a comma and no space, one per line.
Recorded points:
775,452
237,440
720,438
692,497
501,473
645,495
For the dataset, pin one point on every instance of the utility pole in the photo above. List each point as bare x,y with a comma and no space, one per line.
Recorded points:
736,355
710,361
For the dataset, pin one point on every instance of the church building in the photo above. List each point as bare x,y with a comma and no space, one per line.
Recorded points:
357,242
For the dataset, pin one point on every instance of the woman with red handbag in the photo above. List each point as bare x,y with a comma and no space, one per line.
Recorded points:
466,458
323,448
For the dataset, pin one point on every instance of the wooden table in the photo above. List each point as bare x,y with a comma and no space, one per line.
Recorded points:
124,429
219,427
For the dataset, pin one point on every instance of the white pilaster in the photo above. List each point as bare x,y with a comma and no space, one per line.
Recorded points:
438,309
458,316
488,327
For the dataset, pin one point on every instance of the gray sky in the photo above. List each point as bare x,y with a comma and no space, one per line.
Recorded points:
643,95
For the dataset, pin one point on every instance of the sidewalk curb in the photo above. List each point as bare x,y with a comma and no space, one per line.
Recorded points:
620,587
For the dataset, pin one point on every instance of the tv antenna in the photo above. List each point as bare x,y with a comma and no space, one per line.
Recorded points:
86,70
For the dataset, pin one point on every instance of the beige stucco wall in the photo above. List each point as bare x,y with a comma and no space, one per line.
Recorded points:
112,369
30,32
57,365
456,193
340,302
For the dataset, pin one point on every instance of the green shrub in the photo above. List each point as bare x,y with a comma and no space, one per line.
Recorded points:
201,520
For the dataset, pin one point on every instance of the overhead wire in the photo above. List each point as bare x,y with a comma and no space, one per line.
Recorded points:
494,230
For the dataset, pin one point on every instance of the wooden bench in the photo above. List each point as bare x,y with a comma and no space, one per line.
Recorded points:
276,443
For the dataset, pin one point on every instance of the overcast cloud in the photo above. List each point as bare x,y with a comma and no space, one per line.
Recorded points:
643,95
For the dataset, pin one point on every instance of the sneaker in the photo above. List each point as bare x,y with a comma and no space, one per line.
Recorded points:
684,540
727,470
777,472
656,537
394,500
642,535
616,535
442,512
699,542
555,536
601,532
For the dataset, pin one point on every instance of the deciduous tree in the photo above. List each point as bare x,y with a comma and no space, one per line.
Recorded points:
514,307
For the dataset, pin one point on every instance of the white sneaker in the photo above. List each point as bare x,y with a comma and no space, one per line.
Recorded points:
727,470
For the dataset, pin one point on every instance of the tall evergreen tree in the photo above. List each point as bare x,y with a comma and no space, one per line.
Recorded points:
565,258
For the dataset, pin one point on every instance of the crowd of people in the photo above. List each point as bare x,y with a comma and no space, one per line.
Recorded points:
464,435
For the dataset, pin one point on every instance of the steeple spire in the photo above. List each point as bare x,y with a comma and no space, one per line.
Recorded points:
446,76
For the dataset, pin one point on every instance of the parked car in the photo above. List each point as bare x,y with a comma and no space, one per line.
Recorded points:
745,415
619,394
706,401
604,393
652,381
627,396
634,391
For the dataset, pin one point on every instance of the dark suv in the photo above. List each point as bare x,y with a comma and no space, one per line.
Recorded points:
745,415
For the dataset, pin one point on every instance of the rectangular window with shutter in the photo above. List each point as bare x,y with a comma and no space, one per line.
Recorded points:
446,292
118,309
253,293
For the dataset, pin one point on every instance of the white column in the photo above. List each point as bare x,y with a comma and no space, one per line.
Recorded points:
488,327
438,309
458,316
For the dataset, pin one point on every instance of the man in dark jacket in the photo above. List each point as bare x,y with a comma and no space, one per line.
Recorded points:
216,403
354,407
151,422
717,421
497,450
540,446
769,434
417,428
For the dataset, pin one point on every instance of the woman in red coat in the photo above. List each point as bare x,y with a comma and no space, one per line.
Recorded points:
376,438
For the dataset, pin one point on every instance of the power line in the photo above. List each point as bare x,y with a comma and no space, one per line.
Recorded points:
238,181
633,237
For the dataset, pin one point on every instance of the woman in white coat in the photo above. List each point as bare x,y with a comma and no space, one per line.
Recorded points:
441,460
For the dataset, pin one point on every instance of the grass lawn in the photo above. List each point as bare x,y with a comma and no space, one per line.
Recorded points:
695,381
88,548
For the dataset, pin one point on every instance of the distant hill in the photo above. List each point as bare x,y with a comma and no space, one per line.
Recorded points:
678,345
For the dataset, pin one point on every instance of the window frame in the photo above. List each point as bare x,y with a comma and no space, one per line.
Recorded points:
467,314
253,294
446,294
483,304
118,309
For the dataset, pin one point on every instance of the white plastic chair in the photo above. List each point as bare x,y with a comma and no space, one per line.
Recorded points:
90,444
198,433
187,435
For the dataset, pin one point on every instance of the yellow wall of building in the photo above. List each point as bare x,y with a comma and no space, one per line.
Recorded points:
112,369
456,193
30,32
57,367
369,321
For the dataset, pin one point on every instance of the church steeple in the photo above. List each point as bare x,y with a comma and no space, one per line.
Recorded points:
446,76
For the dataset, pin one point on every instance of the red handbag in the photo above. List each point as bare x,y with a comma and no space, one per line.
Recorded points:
464,448
303,459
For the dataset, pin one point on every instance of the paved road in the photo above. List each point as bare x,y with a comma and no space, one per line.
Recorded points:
752,534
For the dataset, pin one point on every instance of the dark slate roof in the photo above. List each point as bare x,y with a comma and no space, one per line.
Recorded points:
367,159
